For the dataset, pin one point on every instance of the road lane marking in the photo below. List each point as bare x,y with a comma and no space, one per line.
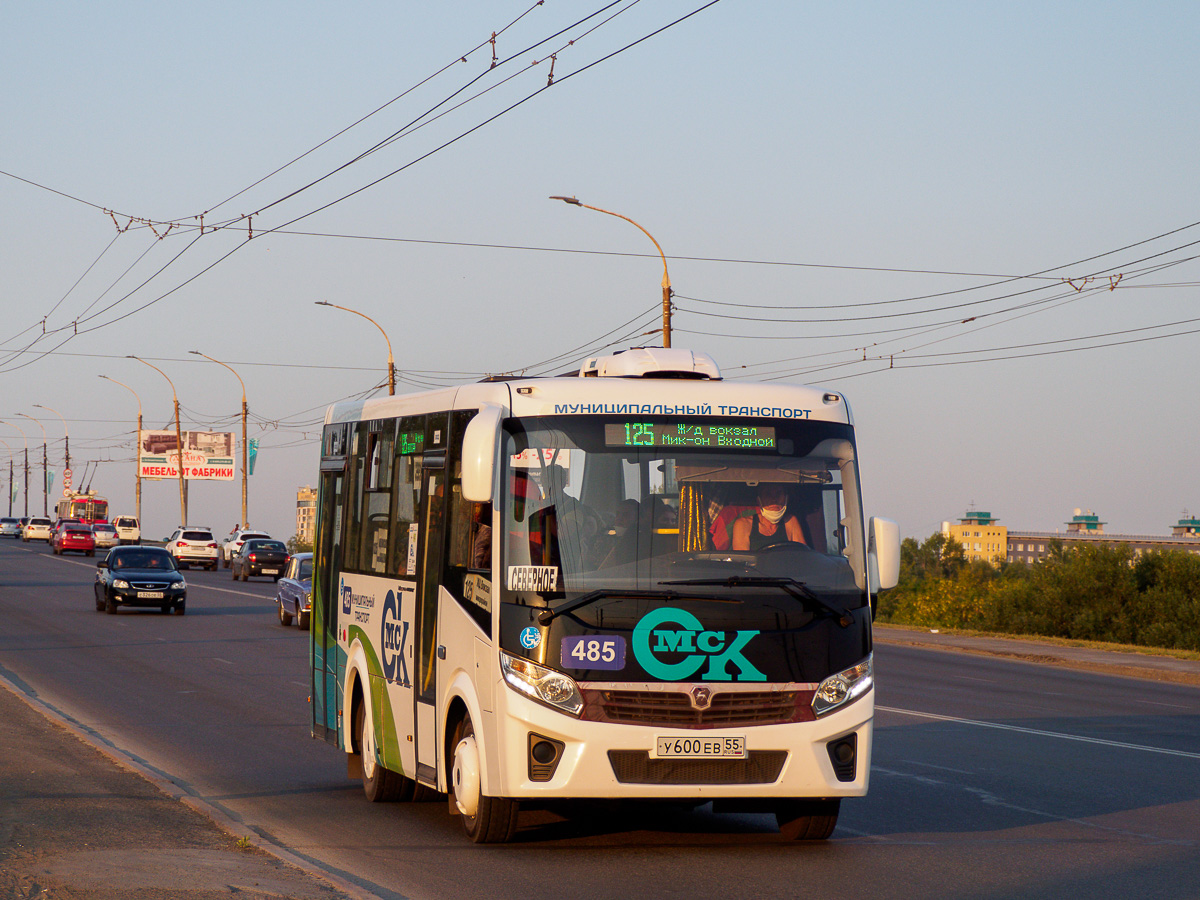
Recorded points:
191,584
1038,732
1168,705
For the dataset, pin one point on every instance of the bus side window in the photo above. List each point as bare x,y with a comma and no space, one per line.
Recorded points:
463,539
406,490
351,553
373,472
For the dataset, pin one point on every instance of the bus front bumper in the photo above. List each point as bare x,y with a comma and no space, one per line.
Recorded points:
826,758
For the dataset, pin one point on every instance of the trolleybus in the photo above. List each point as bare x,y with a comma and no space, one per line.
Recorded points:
86,507
640,582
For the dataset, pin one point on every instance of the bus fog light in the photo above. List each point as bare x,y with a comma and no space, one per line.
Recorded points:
844,687
843,755
543,685
544,756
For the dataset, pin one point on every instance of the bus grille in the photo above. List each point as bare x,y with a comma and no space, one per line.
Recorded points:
636,767
675,709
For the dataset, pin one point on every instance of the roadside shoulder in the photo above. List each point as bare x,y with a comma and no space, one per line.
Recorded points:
1112,662
80,817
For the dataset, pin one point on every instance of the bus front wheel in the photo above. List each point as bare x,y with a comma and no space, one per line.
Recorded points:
487,820
807,820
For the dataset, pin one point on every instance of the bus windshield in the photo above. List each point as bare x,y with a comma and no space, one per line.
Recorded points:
607,504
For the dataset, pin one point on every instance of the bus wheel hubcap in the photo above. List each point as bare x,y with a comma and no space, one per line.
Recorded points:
466,776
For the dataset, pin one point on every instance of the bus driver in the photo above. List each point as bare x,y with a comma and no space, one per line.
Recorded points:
770,524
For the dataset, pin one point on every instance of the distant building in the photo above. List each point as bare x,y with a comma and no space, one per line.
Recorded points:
1085,523
306,514
1186,526
980,536
1086,528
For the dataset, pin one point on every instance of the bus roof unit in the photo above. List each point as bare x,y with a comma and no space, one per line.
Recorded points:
652,362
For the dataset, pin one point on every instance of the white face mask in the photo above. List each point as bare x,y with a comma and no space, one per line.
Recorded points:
772,513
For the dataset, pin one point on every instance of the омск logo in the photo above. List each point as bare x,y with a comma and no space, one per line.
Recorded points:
392,639
652,640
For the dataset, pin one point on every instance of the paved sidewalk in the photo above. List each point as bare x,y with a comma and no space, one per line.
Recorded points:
78,824
1111,662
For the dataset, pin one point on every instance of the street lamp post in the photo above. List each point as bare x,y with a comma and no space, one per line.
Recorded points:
66,436
178,441
26,439
137,437
45,467
391,361
666,279
10,477
245,410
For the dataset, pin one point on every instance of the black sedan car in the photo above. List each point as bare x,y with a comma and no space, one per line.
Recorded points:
295,591
140,576
260,556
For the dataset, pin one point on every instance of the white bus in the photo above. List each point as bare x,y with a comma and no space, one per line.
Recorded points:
639,582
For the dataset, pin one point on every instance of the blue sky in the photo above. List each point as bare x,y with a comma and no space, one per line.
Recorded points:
866,176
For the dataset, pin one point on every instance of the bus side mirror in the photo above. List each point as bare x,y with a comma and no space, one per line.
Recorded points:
479,454
883,554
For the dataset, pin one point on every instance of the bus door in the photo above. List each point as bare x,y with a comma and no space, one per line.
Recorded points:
429,572
326,699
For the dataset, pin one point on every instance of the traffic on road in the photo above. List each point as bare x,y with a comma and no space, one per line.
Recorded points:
976,759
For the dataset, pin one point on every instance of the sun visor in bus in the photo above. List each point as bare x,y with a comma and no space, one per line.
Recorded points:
787,474
479,454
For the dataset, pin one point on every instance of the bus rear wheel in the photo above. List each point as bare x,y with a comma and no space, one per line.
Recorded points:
486,820
380,784
807,820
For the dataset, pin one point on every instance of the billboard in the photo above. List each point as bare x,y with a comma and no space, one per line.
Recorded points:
207,455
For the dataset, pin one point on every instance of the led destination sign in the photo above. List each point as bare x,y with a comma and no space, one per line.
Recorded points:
678,434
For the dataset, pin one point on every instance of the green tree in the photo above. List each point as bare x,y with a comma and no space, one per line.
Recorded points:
295,545
1088,591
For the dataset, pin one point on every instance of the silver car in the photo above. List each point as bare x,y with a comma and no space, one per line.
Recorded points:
105,534
36,529
10,527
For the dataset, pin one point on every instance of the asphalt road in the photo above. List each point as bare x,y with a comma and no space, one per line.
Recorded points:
991,777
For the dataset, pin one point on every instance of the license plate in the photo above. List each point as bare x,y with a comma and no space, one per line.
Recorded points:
150,595
270,571
674,746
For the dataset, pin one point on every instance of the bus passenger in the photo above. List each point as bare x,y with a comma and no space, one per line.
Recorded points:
771,524
621,541
481,541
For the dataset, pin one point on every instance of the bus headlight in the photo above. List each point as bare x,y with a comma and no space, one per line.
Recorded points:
844,687
543,685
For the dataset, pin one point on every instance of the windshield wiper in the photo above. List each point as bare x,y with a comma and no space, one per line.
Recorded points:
797,589
550,613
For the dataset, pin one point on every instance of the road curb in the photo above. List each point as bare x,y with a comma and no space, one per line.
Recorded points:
217,816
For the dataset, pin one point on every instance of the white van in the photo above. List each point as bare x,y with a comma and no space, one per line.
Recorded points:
128,529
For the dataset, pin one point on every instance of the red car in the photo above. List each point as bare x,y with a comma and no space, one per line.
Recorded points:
75,537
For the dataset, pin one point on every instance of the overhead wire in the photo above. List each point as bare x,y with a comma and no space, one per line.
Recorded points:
373,183
456,61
